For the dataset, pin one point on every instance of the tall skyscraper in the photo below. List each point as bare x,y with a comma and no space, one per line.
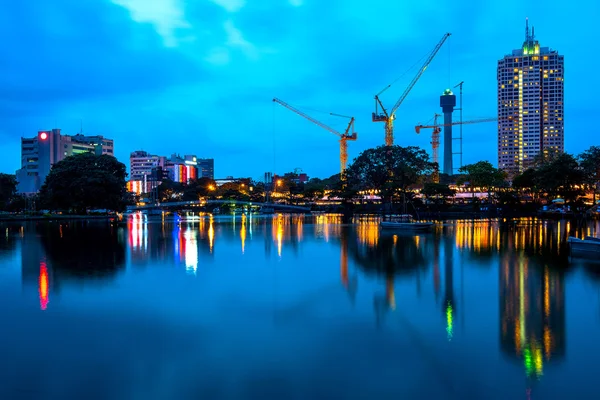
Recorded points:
530,104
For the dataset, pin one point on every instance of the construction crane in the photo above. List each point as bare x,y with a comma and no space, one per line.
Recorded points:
348,134
388,117
437,128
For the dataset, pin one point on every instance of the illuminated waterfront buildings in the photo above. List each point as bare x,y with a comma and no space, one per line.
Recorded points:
40,152
147,171
530,104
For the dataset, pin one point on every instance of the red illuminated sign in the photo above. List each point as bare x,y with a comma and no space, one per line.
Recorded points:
43,136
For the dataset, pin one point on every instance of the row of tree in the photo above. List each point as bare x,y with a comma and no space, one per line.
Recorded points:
76,184
88,181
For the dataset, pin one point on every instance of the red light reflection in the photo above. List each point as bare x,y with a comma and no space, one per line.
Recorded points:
43,286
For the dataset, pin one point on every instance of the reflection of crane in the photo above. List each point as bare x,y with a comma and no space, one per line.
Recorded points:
437,128
350,285
388,117
384,304
348,134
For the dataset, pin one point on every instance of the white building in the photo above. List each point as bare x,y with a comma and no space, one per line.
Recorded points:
39,153
530,104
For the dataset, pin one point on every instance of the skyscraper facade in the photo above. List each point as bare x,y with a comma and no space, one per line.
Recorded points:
530,104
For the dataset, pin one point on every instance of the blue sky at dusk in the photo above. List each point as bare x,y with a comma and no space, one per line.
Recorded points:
198,76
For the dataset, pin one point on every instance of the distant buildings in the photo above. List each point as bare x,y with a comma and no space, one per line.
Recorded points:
530,104
147,171
39,153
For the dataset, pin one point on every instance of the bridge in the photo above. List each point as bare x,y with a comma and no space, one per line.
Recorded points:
195,203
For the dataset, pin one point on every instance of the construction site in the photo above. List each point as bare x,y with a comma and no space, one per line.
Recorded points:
442,122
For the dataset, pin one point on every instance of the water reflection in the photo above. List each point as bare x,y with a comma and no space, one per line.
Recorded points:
532,313
408,314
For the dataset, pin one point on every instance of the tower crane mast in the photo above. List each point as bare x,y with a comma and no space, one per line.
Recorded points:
349,133
388,117
437,128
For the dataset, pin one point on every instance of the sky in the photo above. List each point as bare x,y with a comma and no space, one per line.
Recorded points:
198,76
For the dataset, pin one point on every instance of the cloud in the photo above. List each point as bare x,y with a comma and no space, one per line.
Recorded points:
230,5
167,16
236,39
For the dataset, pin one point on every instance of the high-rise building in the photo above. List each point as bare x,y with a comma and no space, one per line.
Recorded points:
530,104
206,168
39,153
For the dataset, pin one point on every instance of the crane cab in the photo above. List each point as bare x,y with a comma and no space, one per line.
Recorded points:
379,117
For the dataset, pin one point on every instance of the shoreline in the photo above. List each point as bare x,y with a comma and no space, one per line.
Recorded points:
20,218
448,216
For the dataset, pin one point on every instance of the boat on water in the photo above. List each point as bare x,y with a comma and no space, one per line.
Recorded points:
588,245
405,222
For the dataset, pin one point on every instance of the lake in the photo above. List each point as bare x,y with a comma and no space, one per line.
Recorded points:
296,307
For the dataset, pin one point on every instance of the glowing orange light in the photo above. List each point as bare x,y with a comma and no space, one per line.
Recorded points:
43,285
43,136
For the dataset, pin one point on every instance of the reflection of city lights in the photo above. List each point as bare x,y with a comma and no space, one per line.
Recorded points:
211,234
522,326
449,321
43,286
279,235
546,293
368,234
243,233
547,341
390,294
191,250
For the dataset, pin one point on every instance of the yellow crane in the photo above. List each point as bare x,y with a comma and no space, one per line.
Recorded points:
437,128
388,117
348,134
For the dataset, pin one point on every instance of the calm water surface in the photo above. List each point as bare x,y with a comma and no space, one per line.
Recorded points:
292,307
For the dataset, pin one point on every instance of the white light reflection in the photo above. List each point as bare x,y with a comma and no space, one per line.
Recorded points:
191,250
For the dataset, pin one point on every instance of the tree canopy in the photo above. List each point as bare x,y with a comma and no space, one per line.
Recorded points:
482,174
8,189
388,169
589,161
84,181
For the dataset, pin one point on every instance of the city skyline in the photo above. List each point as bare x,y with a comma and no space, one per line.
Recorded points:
157,76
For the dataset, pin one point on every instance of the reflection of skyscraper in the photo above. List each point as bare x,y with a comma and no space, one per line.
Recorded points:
532,314
449,304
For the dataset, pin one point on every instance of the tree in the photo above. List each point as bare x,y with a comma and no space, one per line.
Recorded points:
388,169
169,190
482,174
560,176
437,190
232,191
8,189
85,181
197,188
589,161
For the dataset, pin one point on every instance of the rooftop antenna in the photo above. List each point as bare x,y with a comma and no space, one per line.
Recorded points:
81,126
526,28
533,33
